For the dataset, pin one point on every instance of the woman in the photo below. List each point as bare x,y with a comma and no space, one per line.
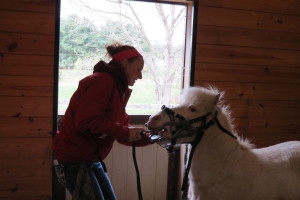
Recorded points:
95,118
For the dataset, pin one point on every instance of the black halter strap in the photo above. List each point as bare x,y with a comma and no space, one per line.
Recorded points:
172,115
185,182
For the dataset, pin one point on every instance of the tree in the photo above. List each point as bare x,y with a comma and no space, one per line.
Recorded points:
162,60
78,38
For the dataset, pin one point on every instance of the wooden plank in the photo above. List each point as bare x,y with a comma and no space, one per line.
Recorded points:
26,106
25,22
26,148
33,157
26,86
46,6
263,109
267,125
35,167
26,65
148,171
272,124
22,43
291,7
248,19
265,139
152,162
255,91
119,170
27,127
247,56
246,73
161,173
27,188
247,37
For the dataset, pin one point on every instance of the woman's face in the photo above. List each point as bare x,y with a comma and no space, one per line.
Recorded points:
133,70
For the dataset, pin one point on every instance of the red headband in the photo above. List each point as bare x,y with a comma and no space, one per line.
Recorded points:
128,53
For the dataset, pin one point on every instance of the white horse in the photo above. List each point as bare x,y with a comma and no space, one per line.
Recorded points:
223,167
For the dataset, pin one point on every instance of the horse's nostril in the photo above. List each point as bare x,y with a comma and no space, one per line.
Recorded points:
146,124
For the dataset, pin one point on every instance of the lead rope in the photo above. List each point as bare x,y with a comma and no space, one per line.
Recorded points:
138,181
194,144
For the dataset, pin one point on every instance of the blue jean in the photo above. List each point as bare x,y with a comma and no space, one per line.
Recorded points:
100,181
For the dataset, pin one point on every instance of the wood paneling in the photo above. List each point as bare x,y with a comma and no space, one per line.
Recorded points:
43,6
27,34
26,106
247,55
153,165
250,50
25,172
33,188
26,86
263,108
291,7
247,73
247,37
27,22
26,65
29,127
256,91
23,43
248,19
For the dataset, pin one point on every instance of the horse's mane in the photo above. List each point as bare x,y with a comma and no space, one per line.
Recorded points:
192,95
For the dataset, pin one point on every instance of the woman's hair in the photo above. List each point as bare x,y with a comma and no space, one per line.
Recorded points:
117,47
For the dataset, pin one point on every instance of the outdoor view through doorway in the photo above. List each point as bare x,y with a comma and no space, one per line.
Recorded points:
160,31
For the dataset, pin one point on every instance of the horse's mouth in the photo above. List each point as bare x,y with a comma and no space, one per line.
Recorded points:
161,132
157,134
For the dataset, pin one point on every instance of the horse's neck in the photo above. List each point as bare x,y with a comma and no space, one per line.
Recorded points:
216,142
216,147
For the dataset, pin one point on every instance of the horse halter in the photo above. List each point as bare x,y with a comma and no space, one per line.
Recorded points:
178,126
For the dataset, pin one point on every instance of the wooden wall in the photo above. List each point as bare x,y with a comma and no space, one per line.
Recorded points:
27,34
251,50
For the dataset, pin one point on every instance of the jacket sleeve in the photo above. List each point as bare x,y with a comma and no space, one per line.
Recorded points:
142,142
90,110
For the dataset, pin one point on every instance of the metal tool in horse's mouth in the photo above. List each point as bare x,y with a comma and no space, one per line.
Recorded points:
154,135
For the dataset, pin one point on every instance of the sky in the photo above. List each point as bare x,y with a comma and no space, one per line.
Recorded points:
148,16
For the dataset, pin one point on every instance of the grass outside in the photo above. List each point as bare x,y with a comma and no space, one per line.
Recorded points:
141,102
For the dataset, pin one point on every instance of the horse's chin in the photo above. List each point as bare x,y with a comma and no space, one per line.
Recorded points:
167,139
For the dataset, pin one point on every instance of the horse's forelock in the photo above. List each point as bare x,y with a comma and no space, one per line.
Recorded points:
194,95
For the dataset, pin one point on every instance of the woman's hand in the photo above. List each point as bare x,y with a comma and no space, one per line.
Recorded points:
135,133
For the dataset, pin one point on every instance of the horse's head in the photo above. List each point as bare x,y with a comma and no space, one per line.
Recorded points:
195,102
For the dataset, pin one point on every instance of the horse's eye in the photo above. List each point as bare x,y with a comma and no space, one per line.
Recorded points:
193,109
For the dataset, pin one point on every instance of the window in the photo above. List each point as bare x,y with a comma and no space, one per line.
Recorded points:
162,33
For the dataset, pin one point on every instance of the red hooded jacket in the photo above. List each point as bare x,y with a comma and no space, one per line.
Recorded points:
95,117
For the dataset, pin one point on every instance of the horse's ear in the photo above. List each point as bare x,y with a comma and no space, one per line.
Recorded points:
217,99
192,108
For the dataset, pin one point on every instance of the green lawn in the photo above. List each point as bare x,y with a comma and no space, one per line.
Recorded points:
141,102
